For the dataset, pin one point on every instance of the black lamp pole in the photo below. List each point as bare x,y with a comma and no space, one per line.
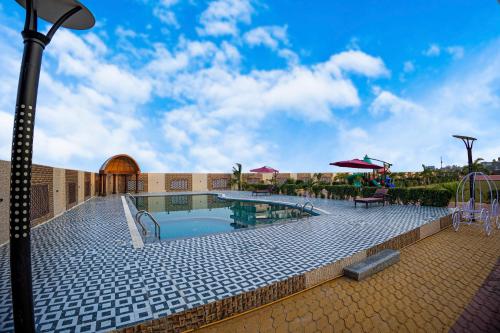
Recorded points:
22,149
469,143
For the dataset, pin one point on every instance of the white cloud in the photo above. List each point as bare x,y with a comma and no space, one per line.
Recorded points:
386,102
356,62
418,130
456,51
270,36
223,108
434,50
163,11
223,16
408,67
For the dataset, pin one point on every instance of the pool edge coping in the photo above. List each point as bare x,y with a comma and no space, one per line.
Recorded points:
135,236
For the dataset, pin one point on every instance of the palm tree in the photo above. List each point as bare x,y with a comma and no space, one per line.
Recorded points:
237,175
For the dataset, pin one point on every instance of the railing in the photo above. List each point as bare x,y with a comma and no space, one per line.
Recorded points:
138,217
305,205
131,196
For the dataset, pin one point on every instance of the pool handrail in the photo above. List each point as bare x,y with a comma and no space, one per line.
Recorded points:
138,217
144,230
305,205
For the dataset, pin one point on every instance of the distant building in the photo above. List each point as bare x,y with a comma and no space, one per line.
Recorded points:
429,167
493,167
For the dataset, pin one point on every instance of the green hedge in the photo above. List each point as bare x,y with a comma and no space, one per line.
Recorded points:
405,196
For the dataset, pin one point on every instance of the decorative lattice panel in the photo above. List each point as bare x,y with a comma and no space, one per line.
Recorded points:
39,201
131,185
87,189
220,183
71,193
179,184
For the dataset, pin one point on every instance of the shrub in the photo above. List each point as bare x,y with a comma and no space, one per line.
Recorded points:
436,197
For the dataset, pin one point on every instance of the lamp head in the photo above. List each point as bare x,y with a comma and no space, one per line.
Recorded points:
463,137
52,10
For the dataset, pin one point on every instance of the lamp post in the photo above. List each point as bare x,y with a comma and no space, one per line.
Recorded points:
70,14
469,142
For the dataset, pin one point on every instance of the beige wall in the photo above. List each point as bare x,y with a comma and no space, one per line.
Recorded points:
156,182
4,197
81,187
92,184
199,182
59,183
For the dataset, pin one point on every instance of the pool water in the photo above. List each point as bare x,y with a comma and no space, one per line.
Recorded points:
183,216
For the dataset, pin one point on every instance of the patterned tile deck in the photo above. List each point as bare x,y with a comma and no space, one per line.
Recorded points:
87,276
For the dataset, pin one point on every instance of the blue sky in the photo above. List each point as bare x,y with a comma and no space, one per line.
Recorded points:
199,85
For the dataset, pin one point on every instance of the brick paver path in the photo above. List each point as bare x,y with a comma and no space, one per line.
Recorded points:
483,312
426,292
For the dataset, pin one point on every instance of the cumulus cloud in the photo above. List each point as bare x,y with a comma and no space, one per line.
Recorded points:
354,61
223,16
418,130
434,50
270,36
408,67
163,10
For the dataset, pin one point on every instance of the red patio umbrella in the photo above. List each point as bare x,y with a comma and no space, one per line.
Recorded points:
264,169
357,164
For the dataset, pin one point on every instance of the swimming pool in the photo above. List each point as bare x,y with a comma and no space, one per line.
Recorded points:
185,216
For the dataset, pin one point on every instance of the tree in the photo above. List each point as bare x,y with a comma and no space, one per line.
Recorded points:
237,176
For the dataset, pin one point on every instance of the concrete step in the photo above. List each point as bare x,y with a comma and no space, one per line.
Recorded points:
372,264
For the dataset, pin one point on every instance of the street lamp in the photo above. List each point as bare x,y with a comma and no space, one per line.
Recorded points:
469,142
69,14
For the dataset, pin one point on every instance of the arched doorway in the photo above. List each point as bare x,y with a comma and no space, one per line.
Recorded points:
122,169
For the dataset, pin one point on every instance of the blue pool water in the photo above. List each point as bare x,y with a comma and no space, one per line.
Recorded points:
183,216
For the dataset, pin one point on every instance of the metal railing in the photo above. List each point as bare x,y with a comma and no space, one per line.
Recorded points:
305,205
138,217
130,195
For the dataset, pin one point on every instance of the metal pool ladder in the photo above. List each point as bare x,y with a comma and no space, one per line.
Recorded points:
302,208
138,217
305,205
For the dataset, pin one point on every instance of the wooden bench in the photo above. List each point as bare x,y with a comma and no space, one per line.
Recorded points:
380,196
262,192
372,264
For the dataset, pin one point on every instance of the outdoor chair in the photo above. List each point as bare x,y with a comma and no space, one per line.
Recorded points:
380,195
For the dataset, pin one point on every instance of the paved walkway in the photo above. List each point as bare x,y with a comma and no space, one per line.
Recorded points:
426,292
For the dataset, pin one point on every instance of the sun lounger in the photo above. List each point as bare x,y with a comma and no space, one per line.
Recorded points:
380,195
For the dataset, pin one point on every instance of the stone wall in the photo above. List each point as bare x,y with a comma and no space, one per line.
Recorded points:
49,193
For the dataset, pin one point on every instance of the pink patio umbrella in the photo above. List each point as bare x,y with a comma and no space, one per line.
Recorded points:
357,164
264,169
267,169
